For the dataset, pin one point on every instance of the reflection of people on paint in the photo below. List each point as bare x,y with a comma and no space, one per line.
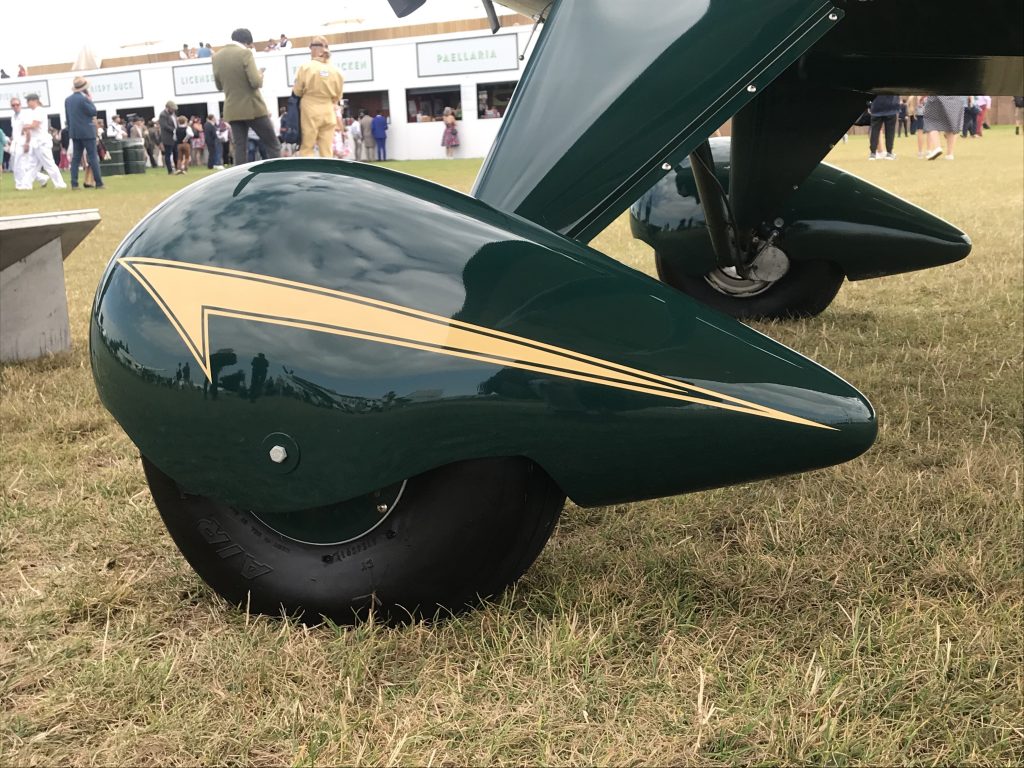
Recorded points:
259,375
186,374
219,360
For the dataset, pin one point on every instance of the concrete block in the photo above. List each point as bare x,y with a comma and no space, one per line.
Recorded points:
33,300
34,306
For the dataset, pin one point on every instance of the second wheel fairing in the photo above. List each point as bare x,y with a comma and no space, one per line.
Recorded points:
832,216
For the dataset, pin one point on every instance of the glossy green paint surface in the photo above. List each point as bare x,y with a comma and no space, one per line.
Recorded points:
363,415
614,90
833,216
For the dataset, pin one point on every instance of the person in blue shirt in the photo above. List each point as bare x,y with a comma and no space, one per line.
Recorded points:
81,114
379,129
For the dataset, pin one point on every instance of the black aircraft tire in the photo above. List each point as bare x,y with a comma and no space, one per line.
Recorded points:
460,533
804,291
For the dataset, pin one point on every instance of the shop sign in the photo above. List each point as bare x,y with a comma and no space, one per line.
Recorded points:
191,79
19,86
355,64
468,55
116,86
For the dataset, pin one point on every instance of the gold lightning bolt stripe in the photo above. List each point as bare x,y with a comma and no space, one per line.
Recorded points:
190,295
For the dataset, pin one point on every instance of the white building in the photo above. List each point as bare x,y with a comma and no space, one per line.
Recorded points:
408,79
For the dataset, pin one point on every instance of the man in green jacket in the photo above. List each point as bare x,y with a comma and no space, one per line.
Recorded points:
235,73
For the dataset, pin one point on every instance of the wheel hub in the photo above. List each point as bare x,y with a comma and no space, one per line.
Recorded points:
769,266
336,523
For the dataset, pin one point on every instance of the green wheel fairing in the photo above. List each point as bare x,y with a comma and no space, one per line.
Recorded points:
834,216
458,332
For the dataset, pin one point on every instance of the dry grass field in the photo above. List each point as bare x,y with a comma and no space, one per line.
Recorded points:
866,614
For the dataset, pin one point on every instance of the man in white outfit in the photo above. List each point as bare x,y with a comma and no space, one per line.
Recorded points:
356,132
117,129
25,171
38,143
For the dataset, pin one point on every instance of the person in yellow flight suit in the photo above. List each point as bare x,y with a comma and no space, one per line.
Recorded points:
319,84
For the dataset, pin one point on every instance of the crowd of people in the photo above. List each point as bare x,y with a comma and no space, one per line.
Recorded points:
247,131
205,50
930,118
313,124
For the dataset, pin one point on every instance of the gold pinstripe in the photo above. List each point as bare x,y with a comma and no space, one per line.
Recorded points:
190,295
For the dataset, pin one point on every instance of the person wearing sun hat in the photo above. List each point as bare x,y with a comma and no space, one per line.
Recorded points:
81,117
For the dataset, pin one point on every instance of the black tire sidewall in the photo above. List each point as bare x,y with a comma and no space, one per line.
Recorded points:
459,533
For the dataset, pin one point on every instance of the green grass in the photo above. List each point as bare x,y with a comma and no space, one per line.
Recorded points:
865,614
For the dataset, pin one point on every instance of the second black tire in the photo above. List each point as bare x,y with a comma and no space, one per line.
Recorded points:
804,291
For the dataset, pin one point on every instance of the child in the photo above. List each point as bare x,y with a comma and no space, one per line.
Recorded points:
183,138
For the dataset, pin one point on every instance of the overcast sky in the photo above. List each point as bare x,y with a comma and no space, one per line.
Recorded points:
58,30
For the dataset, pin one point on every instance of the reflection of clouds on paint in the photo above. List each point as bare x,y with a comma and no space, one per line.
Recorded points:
370,248
673,204
446,292
663,207
326,229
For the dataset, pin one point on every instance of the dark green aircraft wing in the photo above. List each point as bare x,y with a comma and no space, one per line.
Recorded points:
614,90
